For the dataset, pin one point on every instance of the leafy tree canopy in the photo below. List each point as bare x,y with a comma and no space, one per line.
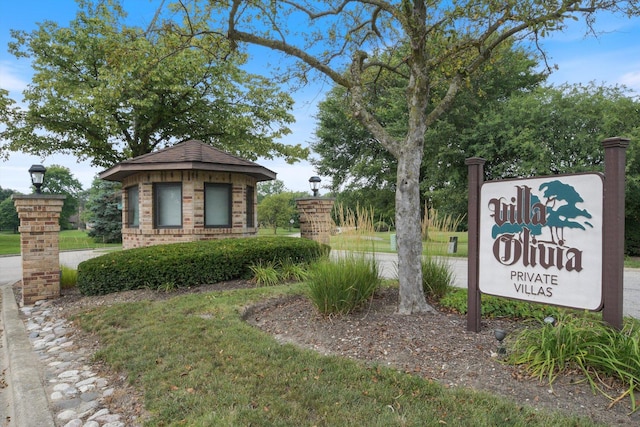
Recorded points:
277,210
60,180
362,170
5,193
549,130
442,45
270,188
106,91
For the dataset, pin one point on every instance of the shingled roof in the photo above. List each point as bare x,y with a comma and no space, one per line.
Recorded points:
188,155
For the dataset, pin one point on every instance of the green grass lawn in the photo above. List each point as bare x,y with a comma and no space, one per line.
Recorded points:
69,240
437,244
198,363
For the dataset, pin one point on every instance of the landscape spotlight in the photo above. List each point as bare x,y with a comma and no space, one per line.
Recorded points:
500,334
314,182
37,176
550,320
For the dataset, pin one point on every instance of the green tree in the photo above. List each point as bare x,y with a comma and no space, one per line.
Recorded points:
365,171
60,180
103,211
632,196
443,44
555,130
8,216
277,210
106,91
5,193
270,188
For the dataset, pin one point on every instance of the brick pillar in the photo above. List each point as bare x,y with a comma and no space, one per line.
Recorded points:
315,218
39,215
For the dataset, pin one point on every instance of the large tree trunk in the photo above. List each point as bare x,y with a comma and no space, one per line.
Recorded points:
412,299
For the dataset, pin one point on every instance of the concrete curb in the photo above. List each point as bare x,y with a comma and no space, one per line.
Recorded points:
25,374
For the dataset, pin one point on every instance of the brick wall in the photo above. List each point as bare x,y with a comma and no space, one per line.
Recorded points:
193,220
39,245
315,218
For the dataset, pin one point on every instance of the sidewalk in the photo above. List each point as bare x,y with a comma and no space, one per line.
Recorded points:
23,401
25,395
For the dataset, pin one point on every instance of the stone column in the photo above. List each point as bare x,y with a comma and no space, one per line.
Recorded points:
39,226
315,218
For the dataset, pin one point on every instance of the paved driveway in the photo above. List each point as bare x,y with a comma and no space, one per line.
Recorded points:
11,266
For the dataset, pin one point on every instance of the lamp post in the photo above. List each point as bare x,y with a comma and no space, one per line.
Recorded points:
314,182
315,214
39,216
37,176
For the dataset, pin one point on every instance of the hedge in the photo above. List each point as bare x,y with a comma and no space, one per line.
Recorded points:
190,264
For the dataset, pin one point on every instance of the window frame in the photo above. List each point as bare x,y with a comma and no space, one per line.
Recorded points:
133,208
229,188
156,211
250,194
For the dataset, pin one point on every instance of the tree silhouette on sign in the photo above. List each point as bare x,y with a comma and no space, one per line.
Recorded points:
565,197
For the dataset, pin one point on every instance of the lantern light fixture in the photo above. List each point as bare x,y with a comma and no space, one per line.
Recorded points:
37,173
314,182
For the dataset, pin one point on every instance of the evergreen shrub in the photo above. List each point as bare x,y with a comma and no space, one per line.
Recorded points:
190,264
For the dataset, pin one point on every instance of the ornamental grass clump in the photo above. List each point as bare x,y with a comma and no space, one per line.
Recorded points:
290,271
265,273
271,273
437,277
68,277
583,343
340,285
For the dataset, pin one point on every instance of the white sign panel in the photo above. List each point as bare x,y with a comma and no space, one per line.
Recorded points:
541,239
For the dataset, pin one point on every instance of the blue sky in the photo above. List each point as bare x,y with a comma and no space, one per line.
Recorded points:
612,58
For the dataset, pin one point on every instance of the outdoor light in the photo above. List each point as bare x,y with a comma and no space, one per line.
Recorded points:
314,182
550,320
500,334
37,176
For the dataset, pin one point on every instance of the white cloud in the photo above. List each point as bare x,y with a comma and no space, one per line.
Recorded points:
631,79
14,173
11,77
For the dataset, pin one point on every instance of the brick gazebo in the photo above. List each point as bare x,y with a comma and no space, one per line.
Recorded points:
187,192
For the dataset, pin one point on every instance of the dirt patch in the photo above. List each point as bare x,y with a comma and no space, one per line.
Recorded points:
435,346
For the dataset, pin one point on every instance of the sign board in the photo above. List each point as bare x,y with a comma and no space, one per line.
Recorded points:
541,239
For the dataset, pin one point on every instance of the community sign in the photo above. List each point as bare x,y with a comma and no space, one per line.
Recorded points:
541,239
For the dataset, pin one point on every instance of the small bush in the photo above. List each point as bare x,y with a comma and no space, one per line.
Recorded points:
437,277
68,277
341,285
167,287
273,273
496,307
265,274
291,271
584,343
190,264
